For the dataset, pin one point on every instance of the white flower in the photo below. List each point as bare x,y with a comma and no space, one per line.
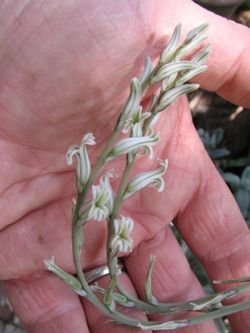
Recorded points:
103,199
121,240
135,122
148,68
153,178
128,145
193,39
133,102
66,277
83,164
168,70
172,45
169,96
187,75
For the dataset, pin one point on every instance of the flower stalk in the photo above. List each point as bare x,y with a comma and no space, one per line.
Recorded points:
96,200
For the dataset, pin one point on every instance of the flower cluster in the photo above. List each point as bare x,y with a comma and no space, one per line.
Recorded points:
134,136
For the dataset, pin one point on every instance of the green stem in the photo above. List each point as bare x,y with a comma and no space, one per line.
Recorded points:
171,325
117,316
90,294
201,304
111,259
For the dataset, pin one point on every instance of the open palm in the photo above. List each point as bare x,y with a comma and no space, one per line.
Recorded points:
65,69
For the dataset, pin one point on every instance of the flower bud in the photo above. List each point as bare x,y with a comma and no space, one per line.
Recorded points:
197,31
171,47
190,74
168,70
128,145
83,168
153,177
69,279
201,56
169,96
133,102
148,67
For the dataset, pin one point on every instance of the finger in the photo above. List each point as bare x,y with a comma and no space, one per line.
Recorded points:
46,304
228,64
99,322
36,192
172,279
214,228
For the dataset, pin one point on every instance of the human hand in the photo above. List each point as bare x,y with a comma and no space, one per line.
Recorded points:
65,71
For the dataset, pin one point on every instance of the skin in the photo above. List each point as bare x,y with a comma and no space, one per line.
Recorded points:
65,70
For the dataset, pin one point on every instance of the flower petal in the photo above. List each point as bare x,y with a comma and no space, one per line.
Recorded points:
83,167
88,139
168,70
144,179
121,240
72,150
128,145
148,67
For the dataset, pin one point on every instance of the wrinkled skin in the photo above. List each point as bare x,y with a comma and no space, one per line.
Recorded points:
65,70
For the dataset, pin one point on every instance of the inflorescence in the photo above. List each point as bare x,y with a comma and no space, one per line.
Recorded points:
132,137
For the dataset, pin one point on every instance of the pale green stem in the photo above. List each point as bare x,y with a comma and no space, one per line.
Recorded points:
204,303
113,260
90,295
224,311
